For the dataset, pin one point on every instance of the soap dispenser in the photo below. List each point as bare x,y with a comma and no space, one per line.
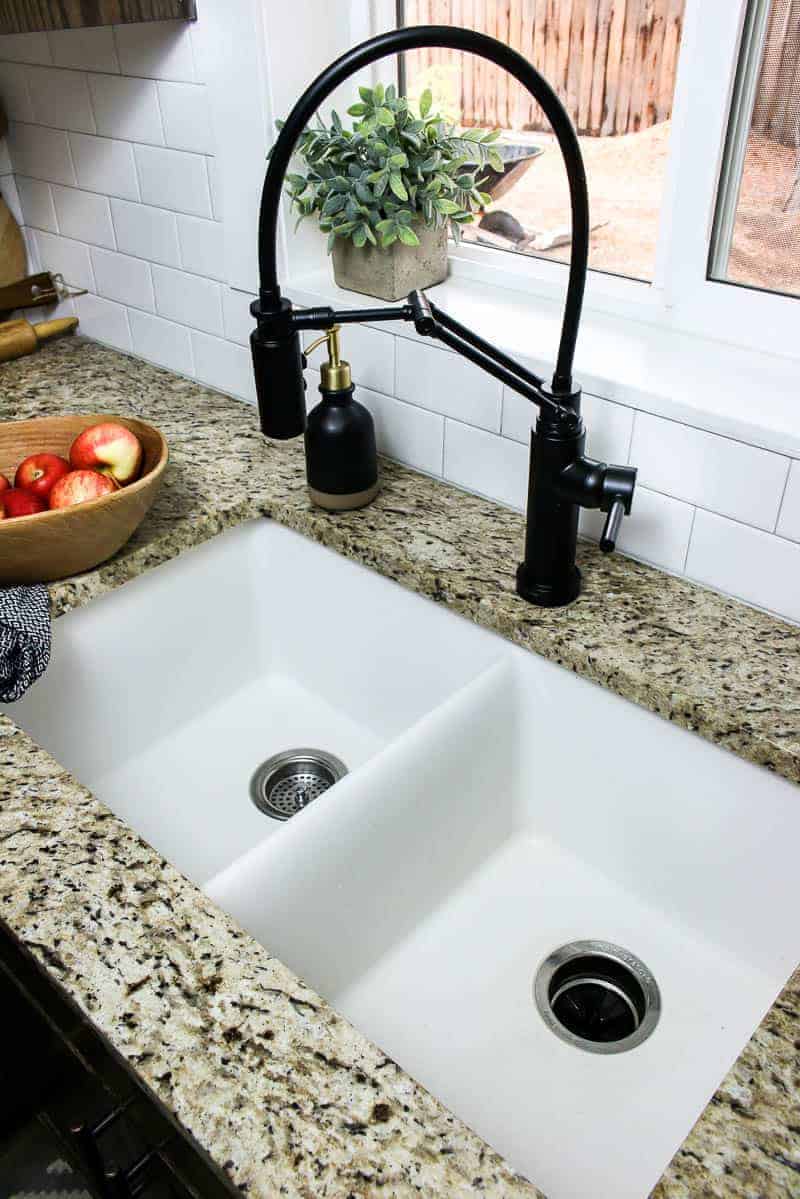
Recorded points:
341,457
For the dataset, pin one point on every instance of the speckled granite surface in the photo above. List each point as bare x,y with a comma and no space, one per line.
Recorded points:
286,1097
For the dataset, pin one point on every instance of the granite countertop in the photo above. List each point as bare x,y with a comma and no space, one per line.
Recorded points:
285,1096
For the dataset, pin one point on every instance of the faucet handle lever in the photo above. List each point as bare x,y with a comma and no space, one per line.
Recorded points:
608,539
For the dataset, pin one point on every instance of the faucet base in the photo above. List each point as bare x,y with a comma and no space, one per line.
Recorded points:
548,595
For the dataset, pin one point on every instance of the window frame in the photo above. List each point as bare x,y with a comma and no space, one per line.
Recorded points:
681,296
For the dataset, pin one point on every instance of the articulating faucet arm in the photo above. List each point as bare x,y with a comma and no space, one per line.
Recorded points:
431,321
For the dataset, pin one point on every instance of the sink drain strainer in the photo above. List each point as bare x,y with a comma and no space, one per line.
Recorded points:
290,781
597,996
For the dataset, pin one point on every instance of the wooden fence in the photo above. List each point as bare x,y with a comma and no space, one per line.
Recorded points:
612,62
777,108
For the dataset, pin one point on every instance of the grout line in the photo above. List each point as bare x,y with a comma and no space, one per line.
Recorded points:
137,177
161,123
51,63
395,364
116,51
783,497
72,164
120,74
112,195
689,543
630,439
124,253
91,272
127,141
208,188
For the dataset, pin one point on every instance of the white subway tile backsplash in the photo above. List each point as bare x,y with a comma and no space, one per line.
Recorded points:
174,179
146,232
34,261
657,530
10,193
104,165
755,566
14,92
155,49
717,473
239,323
162,342
223,365
68,258
61,99
493,466
446,383
215,187
123,279
84,215
25,47
188,299
519,416
202,245
409,434
126,108
789,521
90,49
104,321
40,153
187,118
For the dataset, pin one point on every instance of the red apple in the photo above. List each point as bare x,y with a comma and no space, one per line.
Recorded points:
38,473
17,502
4,484
79,486
109,448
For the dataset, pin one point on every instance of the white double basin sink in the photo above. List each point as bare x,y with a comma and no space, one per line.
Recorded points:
496,807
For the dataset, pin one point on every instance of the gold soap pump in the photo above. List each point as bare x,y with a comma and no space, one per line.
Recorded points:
341,455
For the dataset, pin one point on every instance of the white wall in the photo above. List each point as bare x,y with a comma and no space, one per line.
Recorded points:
116,179
113,150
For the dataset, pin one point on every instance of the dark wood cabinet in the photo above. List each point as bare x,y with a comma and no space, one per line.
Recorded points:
28,16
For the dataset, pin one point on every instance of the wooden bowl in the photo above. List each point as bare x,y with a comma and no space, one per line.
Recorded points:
66,541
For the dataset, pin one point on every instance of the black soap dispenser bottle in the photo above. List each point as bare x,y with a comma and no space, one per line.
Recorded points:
341,457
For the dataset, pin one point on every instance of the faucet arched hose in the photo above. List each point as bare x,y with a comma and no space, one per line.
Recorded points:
446,37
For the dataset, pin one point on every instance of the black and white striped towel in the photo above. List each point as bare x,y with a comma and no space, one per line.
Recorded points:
24,639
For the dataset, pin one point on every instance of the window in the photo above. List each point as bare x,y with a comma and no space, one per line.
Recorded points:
732,96
756,239
614,65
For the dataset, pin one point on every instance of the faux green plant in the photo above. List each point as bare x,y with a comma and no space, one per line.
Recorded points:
393,169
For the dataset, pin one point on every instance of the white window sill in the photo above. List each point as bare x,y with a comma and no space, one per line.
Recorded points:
750,396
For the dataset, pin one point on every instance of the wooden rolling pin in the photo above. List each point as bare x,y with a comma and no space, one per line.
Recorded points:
21,337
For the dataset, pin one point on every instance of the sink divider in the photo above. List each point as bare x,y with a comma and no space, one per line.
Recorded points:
377,851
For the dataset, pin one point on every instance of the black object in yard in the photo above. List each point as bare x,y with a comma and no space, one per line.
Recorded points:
502,224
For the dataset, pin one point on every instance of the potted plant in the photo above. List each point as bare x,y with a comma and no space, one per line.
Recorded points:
388,190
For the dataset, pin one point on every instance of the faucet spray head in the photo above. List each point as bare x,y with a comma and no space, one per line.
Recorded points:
278,370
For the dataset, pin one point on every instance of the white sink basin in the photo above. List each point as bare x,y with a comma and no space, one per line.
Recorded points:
497,808
165,696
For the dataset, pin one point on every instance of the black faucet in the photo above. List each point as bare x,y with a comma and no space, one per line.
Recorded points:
562,480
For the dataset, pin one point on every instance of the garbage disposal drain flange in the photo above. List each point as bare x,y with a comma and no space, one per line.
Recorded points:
597,996
289,781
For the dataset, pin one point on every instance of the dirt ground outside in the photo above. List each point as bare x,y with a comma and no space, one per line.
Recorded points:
626,178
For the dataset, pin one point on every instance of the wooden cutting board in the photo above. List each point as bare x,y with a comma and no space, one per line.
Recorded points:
13,258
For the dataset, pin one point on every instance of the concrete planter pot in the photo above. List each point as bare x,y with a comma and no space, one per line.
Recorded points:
391,274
